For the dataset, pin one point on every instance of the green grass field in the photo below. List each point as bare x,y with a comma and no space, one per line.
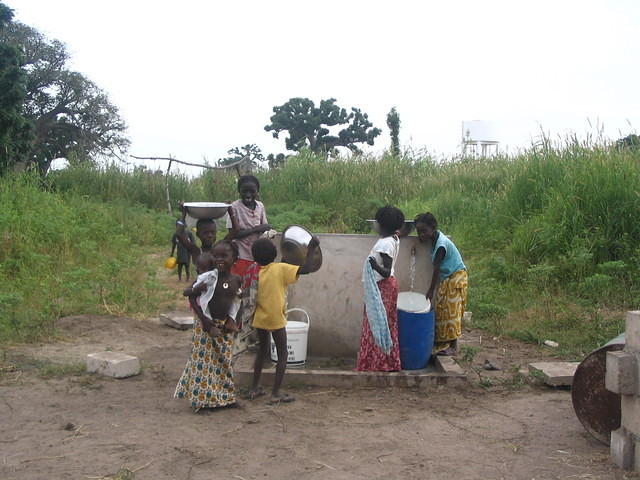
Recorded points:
551,236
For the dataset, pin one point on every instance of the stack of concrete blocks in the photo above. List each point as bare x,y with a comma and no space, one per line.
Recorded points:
623,377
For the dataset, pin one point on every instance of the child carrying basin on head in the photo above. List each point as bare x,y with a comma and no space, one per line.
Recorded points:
206,231
379,348
269,316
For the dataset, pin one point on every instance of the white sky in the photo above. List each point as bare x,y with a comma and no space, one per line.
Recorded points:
195,78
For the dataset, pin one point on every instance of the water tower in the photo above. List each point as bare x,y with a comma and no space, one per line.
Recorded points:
479,139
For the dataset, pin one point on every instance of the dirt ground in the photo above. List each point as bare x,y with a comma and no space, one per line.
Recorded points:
59,422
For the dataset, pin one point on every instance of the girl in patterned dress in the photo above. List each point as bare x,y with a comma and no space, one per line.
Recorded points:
207,379
449,282
383,258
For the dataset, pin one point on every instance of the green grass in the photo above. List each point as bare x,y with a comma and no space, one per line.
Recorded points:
551,236
63,254
59,370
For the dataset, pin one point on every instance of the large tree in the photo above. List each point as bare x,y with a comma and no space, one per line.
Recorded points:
15,129
309,126
71,115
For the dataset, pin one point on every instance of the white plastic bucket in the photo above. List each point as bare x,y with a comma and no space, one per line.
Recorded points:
297,336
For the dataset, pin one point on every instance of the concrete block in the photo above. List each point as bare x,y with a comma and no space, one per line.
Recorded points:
113,364
555,374
630,413
448,366
622,449
622,373
632,331
181,321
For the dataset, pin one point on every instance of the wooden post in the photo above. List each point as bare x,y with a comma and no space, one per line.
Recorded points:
167,187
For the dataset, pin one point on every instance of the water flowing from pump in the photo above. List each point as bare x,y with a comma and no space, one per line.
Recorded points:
412,268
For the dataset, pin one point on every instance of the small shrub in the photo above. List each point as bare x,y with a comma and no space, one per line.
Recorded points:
596,287
468,353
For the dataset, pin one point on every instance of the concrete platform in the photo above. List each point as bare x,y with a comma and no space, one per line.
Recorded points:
178,320
437,373
555,374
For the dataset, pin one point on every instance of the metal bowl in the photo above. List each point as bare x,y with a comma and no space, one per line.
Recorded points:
294,246
200,210
406,229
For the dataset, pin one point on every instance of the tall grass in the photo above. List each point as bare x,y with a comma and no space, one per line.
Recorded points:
551,235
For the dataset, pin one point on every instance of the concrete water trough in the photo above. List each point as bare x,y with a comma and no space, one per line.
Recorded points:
333,299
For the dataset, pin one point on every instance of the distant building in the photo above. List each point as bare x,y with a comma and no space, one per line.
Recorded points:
479,139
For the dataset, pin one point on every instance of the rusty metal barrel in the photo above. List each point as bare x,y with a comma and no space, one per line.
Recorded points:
597,408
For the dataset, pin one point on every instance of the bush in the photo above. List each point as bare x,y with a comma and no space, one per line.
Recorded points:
65,255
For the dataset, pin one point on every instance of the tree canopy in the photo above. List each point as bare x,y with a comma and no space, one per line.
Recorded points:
393,122
71,115
251,152
309,126
630,141
15,129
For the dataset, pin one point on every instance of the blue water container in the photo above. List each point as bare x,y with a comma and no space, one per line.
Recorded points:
416,324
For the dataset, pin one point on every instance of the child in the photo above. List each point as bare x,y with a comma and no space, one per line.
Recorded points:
269,316
381,316
201,293
206,231
183,258
207,379
451,281
247,221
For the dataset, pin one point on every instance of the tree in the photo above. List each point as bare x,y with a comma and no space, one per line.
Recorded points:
630,141
250,152
276,161
15,129
308,125
71,115
393,122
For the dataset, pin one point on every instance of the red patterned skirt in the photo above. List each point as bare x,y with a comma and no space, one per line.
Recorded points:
247,269
370,357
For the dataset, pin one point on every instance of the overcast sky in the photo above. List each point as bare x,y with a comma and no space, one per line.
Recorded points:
195,78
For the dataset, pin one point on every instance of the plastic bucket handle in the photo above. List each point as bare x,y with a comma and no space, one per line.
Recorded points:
308,320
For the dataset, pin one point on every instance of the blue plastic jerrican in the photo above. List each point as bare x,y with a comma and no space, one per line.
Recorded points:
416,332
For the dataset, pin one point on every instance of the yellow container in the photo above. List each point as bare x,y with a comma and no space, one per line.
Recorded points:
170,263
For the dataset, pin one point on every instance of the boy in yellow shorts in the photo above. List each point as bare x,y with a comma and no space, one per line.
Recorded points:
269,317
